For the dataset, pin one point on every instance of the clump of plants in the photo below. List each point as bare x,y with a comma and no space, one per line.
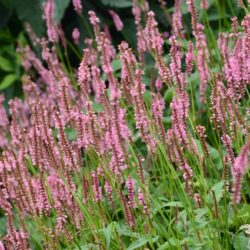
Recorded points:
145,149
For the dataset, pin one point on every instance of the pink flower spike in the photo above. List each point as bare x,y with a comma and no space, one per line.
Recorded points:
158,84
3,115
178,30
142,201
117,20
239,168
106,32
76,36
204,4
152,35
2,246
189,58
77,6
130,184
49,10
97,190
94,20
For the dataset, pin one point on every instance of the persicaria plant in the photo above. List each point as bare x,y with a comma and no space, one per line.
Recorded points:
132,149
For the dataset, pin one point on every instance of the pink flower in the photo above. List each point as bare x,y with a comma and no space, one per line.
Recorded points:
189,58
98,84
223,42
152,35
130,184
97,190
3,115
108,188
128,213
2,246
158,84
192,10
142,201
128,61
204,4
177,20
106,32
158,106
136,11
49,10
175,65
236,68
118,22
84,74
76,36
187,174
202,60
94,20
197,199
61,35
238,170
228,144
77,6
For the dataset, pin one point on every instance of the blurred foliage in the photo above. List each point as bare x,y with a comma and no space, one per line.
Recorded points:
14,13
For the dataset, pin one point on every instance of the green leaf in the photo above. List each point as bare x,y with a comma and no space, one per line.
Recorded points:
108,233
35,238
141,242
214,15
5,64
241,242
30,166
199,225
7,81
5,38
193,81
146,80
60,7
147,98
164,246
71,134
218,190
159,206
31,12
167,121
116,64
118,3
200,212
97,107
2,226
168,95
5,12
244,212
173,204
125,230
170,244
215,155
129,31
88,246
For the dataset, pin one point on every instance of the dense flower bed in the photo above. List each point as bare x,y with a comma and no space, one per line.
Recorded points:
122,154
